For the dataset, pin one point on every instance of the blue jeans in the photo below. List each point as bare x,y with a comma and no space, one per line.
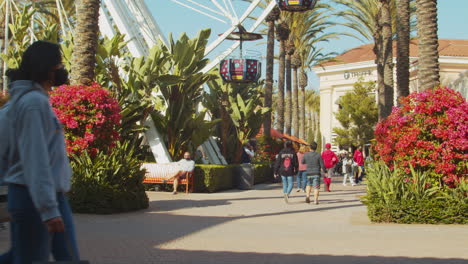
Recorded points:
30,239
288,183
301,180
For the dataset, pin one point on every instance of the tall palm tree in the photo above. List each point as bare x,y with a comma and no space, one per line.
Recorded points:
383,49
288,98
296,63
368,18
270,19
86,41
303,80
282,35
403,42
428,72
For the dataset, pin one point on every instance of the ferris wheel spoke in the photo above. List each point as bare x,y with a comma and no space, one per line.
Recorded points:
199,11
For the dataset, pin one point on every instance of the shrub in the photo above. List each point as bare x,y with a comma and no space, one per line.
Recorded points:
428,132
267,149
108,183
262,173
91,117
213,178
412,199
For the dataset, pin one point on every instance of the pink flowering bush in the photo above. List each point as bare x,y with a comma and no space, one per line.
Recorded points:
429,132
90,116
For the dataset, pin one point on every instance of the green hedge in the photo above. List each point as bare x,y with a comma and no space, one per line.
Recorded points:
430,211
213,178
262,173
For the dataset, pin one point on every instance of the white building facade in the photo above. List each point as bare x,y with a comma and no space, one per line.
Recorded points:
338,78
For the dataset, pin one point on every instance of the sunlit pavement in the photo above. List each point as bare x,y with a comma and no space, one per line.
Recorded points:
257,226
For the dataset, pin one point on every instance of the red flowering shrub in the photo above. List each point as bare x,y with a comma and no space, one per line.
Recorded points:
90,116
267,149
430,132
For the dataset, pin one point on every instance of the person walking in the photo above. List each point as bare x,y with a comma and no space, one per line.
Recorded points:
348,169
330,159
302,173
286,166
315,166
38,172
359,159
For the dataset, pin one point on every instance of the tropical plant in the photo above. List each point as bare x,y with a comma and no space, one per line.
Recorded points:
428,132
108,182
428,59
357,115
238,106
183,127
86,41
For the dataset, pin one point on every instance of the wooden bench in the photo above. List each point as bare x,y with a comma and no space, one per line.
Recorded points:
187,180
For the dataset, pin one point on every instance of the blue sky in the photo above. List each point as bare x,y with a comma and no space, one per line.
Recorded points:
176,19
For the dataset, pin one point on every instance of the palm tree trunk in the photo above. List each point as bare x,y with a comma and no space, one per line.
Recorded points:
288,112
280,102
403,41
2,39
295,103
384,59
86,40
269,76
302,118
428,72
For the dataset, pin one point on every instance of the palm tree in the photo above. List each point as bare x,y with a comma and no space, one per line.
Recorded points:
428,72
86,41
403,39
288,98
375,20
296,63
282,34
270,19
303,80
383,49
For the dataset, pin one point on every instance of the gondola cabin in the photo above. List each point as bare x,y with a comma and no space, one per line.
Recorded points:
296,5
240,70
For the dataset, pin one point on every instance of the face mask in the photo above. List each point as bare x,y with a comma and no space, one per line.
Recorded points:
61,77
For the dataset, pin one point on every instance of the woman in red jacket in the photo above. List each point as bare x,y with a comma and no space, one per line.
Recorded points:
329,159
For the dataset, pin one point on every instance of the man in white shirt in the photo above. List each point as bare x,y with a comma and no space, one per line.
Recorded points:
185,165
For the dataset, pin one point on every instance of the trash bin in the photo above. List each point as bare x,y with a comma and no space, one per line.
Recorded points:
244,177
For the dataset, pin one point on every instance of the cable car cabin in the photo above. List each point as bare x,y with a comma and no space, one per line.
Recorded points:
296,5
240,70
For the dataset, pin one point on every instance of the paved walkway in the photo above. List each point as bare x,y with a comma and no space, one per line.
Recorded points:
256,226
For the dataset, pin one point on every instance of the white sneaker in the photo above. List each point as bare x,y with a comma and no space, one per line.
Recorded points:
353,184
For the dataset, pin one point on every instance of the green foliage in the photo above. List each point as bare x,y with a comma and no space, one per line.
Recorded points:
415,199
239,106
21,37
358,115
108,183
213,178
262,173
267,149
429,211
319,141
182,126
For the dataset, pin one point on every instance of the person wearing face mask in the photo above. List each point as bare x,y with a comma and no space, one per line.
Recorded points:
38,172
185,165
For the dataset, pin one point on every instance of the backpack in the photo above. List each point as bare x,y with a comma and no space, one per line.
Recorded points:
286,162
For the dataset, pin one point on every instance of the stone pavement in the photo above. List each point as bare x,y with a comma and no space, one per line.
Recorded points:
257,226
